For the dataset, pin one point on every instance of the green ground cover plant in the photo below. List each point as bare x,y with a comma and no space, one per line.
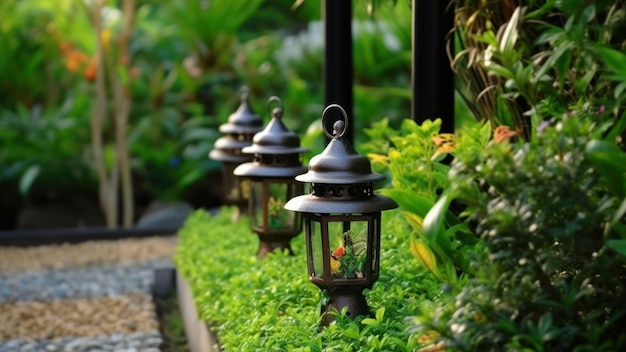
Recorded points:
272,301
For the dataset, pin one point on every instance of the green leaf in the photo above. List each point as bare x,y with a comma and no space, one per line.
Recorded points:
570,7
28,178
420,250
369,321
617,245
409,201
501,71
510,35
619,214
380,313
614,59
610,162
619,89
450,272
434,224
588,14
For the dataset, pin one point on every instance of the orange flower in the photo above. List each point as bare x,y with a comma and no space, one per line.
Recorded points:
91,70
75,60
502,133
339,252
445,143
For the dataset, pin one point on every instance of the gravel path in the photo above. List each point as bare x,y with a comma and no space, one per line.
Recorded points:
20,259
92,296
81,282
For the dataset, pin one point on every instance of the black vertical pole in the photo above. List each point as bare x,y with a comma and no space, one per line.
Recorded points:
338,75
432,79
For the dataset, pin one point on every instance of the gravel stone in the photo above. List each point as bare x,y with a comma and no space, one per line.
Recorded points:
81,282
54,257
99,343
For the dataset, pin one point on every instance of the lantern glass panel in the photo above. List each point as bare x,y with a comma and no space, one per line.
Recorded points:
313,228
256,203
348,243
237,188
375,233
267,205
280,218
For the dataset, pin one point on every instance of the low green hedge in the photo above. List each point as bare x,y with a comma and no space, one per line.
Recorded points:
269,304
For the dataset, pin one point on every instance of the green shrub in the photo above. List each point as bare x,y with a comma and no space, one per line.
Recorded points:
414,156
546,280
270,305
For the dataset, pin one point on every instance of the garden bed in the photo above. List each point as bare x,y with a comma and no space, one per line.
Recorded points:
269,304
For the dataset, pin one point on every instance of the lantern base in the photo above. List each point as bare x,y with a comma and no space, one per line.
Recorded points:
341,298
266,247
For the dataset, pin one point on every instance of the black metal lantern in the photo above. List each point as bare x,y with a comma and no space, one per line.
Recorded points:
341,222
241,127
271,174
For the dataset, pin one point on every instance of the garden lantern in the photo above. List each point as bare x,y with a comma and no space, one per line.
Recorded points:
271,175
241,127
341,222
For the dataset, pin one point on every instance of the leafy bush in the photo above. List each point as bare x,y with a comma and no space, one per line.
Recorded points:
45,145
414,157
522,62
270,305
546,280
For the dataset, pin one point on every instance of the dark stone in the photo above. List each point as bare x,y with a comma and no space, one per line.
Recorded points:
164,215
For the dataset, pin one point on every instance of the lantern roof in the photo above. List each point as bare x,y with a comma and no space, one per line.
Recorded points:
277,150
341,179
228,149
275,138
243,120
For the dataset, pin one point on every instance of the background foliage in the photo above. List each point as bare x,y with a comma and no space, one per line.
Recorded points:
184,74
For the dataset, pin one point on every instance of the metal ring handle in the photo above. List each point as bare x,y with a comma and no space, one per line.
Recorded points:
244,93
339,127
278,111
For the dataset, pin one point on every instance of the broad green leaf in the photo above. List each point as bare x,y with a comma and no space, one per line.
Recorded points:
617,245
369,321
501,71
510,35
614,59
610,162
619,89
28,178
588,14
409,201
434,224
415,221
421,251
380,313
